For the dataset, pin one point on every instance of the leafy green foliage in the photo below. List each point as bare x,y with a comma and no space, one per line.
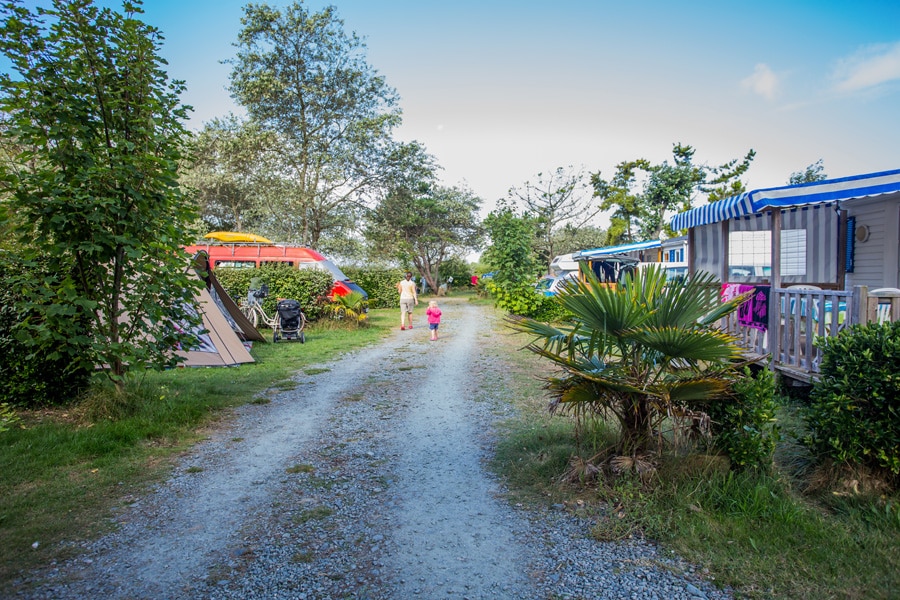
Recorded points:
424,226
520,299
307,286
8,417
379,283
510,254
303,78
639,215
854,412
29,376
94,187
743,425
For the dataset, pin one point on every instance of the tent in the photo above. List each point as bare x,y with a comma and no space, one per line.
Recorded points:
225,329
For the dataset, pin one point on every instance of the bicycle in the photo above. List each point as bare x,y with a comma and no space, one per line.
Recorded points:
252,308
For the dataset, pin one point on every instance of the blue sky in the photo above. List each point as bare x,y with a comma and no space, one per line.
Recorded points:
501,90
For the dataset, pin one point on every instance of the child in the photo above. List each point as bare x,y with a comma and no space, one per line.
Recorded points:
434,318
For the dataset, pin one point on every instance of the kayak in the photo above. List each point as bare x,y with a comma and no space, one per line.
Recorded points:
237,237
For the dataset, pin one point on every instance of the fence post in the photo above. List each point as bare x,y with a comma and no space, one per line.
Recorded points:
860,304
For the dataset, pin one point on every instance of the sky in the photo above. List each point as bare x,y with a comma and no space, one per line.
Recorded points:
501,90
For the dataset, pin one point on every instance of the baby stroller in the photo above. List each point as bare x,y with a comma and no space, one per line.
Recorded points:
290,322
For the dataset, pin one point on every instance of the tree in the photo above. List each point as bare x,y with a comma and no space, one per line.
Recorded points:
556,200
617,194
301,76
95,184
814,172
425,226
638,351
232,173
666,188
511,253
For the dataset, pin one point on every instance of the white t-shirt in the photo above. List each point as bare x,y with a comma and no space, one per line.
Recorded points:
407,289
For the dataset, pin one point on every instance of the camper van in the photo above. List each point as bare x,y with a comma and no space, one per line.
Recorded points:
248,251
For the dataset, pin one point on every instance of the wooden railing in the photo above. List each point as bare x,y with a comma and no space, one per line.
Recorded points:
797,316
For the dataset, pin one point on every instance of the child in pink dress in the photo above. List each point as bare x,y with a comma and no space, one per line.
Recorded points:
434,318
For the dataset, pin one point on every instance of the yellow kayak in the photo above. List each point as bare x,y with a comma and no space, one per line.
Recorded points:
237,237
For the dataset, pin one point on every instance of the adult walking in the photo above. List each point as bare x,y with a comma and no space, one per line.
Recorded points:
408,298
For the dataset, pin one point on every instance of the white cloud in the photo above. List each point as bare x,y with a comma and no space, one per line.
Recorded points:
763,82
870,67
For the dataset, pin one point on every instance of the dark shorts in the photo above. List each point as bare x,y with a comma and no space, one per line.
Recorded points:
433,325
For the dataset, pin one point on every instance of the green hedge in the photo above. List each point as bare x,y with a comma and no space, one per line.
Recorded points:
380,284
308,286
854,412
27,378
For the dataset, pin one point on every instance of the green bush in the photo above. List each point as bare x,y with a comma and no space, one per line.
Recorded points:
854,412
743,425
308,286
380,284
516,298
28,378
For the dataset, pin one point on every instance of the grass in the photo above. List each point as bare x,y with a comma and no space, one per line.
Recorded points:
68,471
765,535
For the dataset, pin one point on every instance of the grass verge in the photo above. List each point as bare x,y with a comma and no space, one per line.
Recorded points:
68,471
757,533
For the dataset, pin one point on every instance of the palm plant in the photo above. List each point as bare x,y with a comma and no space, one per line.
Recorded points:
640,351
351,306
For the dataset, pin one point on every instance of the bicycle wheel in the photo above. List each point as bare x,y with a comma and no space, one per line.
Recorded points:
251,314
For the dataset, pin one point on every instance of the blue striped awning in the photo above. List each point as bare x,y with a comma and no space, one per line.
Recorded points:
612,250
829,190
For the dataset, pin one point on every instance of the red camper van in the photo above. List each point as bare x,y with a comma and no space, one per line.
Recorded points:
249,251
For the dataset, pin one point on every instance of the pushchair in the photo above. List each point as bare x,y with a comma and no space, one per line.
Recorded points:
290,321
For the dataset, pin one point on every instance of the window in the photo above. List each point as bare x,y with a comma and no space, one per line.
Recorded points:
751,251
236,264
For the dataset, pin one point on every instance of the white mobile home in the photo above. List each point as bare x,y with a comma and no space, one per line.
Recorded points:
806,248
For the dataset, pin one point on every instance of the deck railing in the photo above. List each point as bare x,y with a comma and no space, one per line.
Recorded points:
798,315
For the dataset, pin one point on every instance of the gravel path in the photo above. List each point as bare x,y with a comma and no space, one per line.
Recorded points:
365,481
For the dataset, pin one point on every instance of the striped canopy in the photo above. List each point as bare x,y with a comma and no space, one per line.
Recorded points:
829,190
611,250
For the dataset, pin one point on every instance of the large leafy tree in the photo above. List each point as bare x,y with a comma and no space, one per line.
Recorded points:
94,185
301,76
639,352
425,226
232,173
556,199
641,193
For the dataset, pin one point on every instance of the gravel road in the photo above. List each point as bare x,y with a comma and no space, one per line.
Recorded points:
367,480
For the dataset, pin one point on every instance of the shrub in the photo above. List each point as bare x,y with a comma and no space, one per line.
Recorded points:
28,377
380,284
517,298
854,411
308,286
743,426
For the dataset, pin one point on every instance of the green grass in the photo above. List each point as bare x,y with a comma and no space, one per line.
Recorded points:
65,474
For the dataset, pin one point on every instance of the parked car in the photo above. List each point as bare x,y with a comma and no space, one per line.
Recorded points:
550,286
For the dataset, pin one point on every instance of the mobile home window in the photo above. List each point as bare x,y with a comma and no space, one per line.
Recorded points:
754,248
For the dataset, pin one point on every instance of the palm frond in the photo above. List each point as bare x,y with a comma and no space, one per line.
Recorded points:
688,344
